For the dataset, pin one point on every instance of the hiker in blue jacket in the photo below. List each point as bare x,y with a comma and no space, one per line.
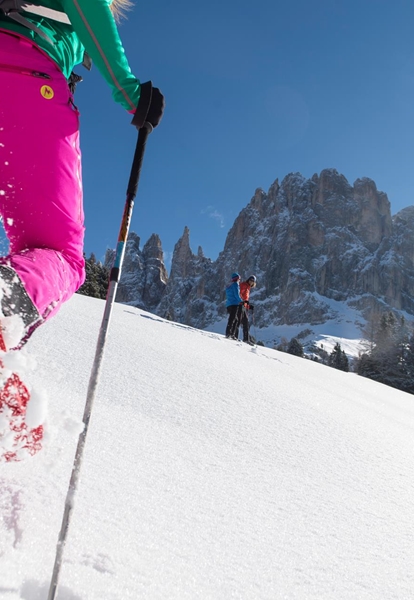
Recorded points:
234,304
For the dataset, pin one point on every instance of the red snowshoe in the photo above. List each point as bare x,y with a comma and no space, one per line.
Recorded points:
17,440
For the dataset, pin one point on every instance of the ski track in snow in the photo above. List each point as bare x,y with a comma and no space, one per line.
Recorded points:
212,470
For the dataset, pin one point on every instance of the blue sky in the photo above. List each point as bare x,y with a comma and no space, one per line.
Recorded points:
254,91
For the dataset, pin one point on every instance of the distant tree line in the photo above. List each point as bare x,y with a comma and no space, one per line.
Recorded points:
336,359
389,357
97,277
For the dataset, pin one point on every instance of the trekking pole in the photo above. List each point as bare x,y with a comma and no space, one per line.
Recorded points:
254,327
115,274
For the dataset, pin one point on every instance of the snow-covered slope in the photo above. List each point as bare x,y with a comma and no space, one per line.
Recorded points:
212,470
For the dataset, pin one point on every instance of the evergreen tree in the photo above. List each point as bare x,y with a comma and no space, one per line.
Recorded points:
295,347
338,359
409,365
345,362
97,276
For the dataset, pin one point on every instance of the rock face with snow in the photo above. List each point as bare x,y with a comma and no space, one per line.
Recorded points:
144,276
308,241
187,296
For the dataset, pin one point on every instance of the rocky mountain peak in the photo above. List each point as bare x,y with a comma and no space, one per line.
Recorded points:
310,242
181,264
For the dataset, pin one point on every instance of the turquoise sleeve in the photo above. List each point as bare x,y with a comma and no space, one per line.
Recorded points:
94,24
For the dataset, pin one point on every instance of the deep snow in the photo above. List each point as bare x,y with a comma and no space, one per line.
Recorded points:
212,471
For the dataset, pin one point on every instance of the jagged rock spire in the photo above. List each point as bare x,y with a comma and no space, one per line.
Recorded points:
308,241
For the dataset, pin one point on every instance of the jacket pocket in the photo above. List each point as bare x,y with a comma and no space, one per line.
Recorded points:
24,71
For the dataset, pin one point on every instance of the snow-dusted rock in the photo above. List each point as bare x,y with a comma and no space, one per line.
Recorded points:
308,241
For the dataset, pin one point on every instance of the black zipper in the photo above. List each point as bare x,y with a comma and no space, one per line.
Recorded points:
23,71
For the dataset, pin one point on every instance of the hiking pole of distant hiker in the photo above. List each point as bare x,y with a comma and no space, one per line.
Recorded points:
254,326
94,377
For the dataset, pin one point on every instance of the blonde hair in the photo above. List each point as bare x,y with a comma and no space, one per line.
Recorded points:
119,8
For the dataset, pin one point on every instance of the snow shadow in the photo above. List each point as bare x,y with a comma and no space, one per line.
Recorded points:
165,321
11,505
158,319
33,590
4,590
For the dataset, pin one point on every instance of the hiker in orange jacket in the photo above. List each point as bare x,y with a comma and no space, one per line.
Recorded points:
245,288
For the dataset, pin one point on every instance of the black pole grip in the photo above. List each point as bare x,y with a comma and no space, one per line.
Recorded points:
144,104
